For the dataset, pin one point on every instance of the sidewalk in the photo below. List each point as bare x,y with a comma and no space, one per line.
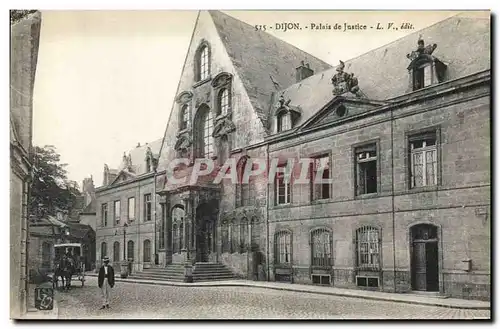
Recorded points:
374,295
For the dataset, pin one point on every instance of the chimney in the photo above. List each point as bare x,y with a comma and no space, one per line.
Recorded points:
138,144
303,71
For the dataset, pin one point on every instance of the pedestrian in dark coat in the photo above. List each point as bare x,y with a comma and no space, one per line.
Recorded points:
106,281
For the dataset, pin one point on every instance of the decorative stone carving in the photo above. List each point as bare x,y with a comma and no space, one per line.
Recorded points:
183,142
421,50
285,104
222,79
344,82
184,97
223,126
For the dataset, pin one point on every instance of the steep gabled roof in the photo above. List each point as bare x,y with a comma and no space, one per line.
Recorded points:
257,56
463,44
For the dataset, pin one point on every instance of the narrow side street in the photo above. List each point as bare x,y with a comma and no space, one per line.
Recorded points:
143,301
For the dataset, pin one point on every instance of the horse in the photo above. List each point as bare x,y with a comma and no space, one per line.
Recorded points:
64,269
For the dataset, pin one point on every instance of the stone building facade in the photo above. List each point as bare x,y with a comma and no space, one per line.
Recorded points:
25,33
399,135
125,225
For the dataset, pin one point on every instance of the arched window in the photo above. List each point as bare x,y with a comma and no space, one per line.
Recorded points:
46,254
203,64
284,121
178,215
147,251
130,249
116,251
224,101
184,117
104,250
283,248
204,131
368,248
321,247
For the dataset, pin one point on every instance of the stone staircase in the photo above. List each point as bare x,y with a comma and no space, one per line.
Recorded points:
175,272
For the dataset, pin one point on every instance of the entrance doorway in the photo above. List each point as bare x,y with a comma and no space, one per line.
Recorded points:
205,232
425,261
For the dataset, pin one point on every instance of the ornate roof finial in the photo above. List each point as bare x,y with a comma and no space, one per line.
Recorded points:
341,67
421,49
281,100
344,82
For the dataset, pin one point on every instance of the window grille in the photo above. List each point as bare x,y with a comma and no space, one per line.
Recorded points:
321,248
368,248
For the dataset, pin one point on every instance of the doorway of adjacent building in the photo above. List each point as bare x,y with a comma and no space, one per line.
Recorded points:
205,233
425,261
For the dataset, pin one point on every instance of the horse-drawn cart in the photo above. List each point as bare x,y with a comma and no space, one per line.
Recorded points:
69,261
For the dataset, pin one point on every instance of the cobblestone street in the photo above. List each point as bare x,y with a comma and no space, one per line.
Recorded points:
142,301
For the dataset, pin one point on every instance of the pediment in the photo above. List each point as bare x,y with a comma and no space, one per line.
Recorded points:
122,177
340,109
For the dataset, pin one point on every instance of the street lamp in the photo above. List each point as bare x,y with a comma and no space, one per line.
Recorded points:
124,233
124,263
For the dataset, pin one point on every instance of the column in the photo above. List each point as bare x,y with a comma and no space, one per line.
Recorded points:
167,221
187,220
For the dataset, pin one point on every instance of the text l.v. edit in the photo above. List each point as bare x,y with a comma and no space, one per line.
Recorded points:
360,27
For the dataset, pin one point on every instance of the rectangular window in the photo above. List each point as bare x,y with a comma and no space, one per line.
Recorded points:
282,187
422,76
423,160
147,207
117,212
104,214
131,209
283,247
320,172
366,169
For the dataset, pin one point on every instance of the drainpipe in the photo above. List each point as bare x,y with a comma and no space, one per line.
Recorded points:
154,214
392,201
267,215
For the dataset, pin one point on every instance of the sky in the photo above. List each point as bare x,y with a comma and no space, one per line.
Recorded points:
106,80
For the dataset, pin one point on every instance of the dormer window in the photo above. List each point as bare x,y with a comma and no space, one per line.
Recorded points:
284,121
425,69
287,115
422,76
224,101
